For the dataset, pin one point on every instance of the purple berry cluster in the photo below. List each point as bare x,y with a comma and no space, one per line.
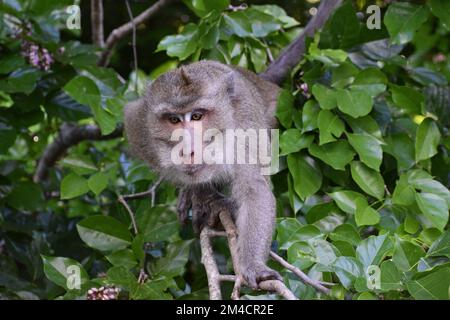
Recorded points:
103,293
36,55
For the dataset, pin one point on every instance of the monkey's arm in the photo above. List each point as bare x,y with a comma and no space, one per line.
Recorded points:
255,221
288,59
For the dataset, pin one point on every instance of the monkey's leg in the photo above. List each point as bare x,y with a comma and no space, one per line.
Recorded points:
255,221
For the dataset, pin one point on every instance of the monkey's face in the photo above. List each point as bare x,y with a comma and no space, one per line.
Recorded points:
181,108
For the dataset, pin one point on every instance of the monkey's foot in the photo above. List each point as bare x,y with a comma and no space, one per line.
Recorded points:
253,275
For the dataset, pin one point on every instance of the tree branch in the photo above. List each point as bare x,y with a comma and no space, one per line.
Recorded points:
69,135
303,277
277,71
122,31
212,271
97,23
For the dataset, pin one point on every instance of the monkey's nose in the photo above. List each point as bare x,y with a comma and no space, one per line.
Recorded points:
183,155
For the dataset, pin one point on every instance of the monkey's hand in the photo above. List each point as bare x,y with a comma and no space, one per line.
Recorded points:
254,273
206,208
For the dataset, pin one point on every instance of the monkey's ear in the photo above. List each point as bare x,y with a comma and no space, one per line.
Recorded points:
184,77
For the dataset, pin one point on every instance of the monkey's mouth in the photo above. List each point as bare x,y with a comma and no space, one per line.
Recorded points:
193,169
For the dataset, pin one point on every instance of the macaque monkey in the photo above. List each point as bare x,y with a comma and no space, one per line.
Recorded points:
217,96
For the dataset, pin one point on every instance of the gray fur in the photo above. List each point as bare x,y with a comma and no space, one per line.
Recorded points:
234,98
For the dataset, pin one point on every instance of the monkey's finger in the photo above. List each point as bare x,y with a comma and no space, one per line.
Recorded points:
268,275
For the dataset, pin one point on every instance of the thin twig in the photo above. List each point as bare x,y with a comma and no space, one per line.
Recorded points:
117,34
97,23
303,277
212,271
130,212
130,14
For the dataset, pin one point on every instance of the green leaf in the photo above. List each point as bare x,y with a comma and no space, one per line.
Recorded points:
401,147
406,254
330,126
202,7
309,116
85,91
434,208
365,215
98,182
292,140
348,269
325,96
104,233
157,223
26,195
173,263
390,277
80,164
407,98
441,9
346,200
124,258
342,30
364,125
346,232
373,250
7,136
367,179
427,184
354,103
182,45
238,23
403,20
441,246
290,231
285,107
371,80
65,272
73,186
306,174
10,63
403,192
368,149
21,80
337,154
427,139
433,286
122,277
411,224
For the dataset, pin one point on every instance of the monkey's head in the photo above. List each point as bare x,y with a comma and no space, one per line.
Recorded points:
180,102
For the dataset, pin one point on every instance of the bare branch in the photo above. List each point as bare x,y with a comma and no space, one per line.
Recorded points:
303,277
278,287
210,264
288,59
97,23
69,135
130,14
130,213
269,285
117,34
151,191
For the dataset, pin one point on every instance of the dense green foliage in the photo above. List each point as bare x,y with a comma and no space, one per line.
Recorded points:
362,192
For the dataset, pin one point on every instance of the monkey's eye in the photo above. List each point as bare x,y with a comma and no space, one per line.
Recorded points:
196,116
174,119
